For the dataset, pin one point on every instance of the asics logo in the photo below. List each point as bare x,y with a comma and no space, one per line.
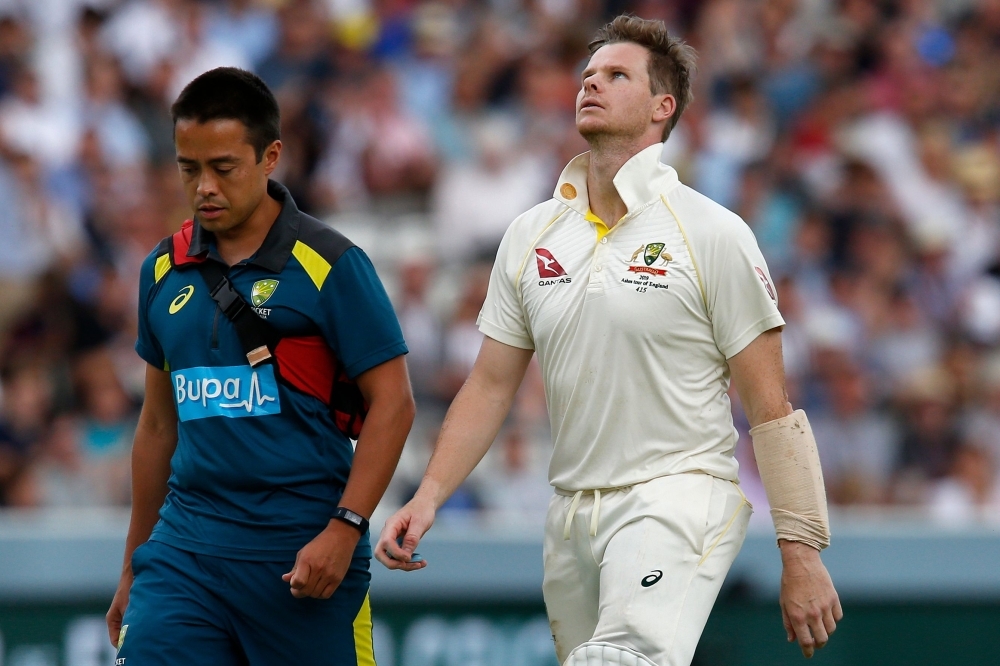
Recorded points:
231,391
652,579
181,300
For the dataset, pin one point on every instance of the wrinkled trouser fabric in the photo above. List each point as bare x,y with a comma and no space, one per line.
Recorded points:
646,583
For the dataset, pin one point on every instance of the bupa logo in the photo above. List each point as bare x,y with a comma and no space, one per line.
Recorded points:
232,391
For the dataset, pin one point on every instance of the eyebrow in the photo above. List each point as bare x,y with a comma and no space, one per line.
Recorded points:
588,71
214,161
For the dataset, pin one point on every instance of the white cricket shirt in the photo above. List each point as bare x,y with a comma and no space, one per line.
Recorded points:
632,326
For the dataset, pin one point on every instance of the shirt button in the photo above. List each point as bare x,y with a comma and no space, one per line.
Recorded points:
604,240
598,268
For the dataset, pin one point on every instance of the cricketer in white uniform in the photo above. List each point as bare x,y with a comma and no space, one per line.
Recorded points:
639,327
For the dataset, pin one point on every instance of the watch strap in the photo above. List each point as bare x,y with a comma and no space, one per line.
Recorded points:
356,520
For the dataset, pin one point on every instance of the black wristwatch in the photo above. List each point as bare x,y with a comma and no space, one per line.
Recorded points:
355,520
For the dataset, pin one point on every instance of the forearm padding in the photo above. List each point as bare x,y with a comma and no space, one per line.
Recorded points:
789,467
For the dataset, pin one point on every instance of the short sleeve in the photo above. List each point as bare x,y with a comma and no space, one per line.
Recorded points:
357,318
146,344
742,300
502,317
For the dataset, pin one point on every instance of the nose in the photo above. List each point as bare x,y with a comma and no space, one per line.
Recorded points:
207,185
591,83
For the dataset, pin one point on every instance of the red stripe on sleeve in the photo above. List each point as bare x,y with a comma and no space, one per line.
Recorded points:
307,363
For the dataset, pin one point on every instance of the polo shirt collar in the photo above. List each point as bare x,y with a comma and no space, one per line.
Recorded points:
277,246
640,180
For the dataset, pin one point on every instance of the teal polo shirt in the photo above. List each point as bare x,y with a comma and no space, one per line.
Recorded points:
260,464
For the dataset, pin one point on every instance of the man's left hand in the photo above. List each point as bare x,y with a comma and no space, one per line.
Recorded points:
810,606
322,564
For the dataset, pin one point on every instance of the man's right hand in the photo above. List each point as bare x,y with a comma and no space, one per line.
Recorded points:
411,523
471,425
118,605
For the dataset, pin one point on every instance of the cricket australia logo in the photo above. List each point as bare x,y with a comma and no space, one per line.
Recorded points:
259,293
233,391
549,270
650,252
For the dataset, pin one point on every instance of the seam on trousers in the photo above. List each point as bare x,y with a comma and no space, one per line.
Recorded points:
709,523
642,552
680,614
732,519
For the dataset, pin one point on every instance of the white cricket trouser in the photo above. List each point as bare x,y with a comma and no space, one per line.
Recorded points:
642,566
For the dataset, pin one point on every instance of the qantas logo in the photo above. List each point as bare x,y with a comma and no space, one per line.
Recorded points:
548,267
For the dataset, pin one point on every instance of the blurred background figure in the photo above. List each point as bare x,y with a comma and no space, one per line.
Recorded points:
858,140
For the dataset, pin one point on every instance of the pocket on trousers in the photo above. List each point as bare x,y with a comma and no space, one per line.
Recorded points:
725,504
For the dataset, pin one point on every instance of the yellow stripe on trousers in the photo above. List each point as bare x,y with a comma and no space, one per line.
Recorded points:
363,647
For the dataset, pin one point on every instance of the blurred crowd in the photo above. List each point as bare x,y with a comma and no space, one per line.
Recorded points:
858,139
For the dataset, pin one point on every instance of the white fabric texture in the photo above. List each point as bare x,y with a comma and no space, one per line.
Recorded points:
790,470
679,534
605,654
632,330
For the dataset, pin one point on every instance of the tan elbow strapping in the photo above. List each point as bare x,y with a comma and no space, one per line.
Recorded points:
789,468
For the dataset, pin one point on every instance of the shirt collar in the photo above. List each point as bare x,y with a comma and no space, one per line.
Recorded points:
640,180
277,246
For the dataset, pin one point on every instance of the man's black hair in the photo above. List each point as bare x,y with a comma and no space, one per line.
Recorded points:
232,94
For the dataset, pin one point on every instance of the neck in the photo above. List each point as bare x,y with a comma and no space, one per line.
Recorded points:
240,242
607,156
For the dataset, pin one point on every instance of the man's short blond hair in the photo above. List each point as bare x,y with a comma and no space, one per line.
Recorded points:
671,60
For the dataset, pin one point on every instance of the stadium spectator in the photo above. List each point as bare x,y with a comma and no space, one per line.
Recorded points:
857,139
968,492
301,56
241,25
420,323
28,396
476,200
462,337
122,139
858,446
515,484
33,126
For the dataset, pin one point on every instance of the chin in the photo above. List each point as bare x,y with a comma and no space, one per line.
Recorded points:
589,128
214,226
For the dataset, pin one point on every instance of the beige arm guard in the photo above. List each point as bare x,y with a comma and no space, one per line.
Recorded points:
789,468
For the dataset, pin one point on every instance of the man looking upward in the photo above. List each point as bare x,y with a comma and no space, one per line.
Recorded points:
643,300
248,541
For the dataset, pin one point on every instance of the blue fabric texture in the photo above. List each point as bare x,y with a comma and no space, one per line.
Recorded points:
190,608
259,488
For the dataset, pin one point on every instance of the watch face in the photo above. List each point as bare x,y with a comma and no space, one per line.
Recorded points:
351,517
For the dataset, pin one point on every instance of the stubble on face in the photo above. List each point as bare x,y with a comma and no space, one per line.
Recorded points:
616,79
222,178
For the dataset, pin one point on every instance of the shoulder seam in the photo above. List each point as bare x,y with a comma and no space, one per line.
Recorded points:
690,249
524,261
325,241
163,263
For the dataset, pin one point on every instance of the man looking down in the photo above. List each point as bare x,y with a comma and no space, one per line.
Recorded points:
248,542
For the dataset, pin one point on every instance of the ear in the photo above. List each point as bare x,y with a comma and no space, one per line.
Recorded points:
666,106
271,156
